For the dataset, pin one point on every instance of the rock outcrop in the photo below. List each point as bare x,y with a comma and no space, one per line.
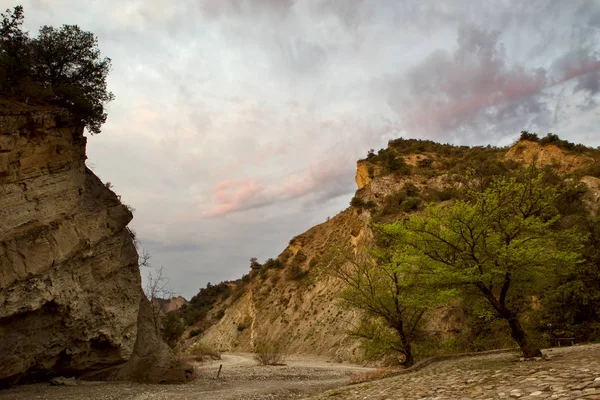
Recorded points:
528,152
70,287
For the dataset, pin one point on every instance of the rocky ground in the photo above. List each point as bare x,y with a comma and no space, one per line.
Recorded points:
566,373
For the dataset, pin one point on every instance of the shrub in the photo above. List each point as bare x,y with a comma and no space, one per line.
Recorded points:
195,332
532,137
273,264
357,202
404,200
296,273
443,194
410,204
268,354
241,327
201,352
425,163
370,204
172,328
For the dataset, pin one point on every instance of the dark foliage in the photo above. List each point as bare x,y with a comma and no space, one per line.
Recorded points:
405,200
296,272
360,203
172,328
60,66
532,137
199,306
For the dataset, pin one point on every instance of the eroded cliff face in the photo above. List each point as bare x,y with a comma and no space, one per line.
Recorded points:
528,152
70,289
296,306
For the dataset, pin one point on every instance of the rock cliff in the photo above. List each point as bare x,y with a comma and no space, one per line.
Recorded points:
70,288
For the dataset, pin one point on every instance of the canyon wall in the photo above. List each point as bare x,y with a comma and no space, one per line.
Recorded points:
70,287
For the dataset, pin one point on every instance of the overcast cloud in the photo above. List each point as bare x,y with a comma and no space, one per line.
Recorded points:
237,123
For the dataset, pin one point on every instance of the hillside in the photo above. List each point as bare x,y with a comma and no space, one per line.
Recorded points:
292,300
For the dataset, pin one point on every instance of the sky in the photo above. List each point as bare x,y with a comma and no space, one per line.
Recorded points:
237,123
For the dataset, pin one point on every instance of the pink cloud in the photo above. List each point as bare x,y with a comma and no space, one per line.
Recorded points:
323,177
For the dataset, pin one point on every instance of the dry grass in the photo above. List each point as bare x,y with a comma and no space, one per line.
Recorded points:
268,354
201,352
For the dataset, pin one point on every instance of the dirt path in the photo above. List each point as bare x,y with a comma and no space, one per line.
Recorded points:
240,379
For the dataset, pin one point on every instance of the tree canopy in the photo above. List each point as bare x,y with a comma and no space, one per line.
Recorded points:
62,66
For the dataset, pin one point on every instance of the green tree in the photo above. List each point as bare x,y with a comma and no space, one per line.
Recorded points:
172,328
393,296
68,61
499,242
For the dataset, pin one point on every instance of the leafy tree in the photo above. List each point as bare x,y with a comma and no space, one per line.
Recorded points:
63,66
391,293
11,23
498,242
13,49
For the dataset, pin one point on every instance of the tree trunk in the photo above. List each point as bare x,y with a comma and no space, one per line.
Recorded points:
409,361
516,331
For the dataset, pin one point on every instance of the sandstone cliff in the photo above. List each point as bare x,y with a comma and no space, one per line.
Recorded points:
70,290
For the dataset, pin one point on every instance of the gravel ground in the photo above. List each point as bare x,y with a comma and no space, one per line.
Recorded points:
240,379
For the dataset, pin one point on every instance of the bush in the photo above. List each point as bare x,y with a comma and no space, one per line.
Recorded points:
241,327
296,273
443,194
172,328
532,137
268,354
404,200
410,204
357,202
201,352
273,264
195,332
425,163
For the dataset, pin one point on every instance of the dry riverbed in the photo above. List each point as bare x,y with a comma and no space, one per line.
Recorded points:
240,378
567,373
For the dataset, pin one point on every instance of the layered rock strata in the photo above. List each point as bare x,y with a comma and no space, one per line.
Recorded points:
70,287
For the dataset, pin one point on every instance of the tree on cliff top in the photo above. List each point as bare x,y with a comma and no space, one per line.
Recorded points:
499,242
63,66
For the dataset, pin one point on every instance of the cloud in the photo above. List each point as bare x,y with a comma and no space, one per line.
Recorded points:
476,92
321,179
